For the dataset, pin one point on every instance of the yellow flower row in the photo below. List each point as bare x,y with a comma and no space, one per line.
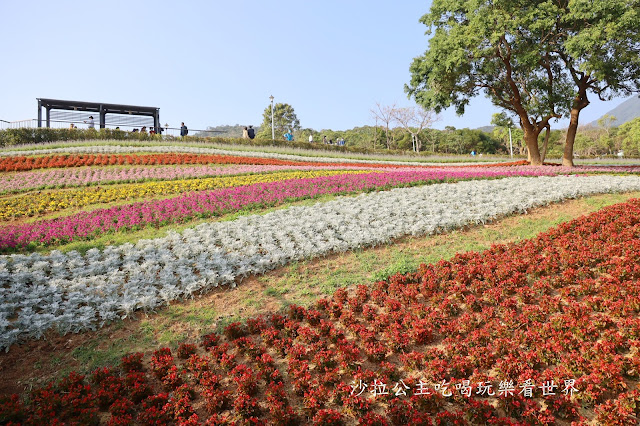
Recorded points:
47,202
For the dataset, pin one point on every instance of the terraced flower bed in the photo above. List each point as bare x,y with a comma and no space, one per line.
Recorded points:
73,292
543,331
274,189
540,332
24,163
58,178
55,200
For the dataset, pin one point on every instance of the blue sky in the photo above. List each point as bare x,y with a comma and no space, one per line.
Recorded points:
209,63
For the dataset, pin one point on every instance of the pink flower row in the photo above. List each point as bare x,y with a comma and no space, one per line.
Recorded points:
86,225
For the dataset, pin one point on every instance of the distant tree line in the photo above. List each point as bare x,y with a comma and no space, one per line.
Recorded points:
591,141
448,141
604,140
400,129
395,133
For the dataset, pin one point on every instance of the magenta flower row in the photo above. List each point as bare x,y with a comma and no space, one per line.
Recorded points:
86,225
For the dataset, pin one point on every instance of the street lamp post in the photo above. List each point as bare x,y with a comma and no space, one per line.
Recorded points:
273,132
510,143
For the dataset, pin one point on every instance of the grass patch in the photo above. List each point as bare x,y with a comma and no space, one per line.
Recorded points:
204,316
93,355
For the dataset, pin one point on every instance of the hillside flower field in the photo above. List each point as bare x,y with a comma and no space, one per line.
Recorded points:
543,331
178,209
60,178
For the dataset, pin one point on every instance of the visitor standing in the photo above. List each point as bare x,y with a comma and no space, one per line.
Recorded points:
245,133
324,139
251,132
310,138
91,122
183,130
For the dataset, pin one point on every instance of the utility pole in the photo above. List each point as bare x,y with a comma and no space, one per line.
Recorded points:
273,131
510,143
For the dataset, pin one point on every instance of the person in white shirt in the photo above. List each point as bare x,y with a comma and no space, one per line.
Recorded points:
310,138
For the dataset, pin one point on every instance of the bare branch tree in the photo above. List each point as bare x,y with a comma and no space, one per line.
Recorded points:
385,114
414,120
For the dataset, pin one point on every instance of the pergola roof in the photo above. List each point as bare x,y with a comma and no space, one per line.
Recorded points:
97,107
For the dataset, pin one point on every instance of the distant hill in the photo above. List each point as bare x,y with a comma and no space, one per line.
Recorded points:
225,131
626,111
486,129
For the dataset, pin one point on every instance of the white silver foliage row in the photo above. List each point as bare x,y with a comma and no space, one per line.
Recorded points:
72,292
118,149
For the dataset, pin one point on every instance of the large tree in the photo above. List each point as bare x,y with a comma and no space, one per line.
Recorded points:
598,43
284,119
528,56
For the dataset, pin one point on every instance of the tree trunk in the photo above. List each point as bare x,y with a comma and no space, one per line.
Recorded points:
531,139
387,134
579,102
567,156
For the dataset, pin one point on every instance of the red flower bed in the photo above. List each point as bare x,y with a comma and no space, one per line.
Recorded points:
537,332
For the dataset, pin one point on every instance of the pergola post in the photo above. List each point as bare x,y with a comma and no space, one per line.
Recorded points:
48,117
39,113
102,116
156,121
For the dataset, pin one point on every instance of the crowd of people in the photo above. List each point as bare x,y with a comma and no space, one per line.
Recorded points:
339,142
152,131
249,133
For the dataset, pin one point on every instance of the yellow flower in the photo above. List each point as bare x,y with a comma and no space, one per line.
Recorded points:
47,202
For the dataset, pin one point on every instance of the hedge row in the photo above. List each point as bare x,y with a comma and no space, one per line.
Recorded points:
24,135
11,137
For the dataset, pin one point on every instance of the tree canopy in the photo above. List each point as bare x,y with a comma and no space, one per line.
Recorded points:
284,119
598,44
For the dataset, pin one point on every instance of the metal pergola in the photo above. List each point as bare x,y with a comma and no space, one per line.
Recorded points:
98,108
